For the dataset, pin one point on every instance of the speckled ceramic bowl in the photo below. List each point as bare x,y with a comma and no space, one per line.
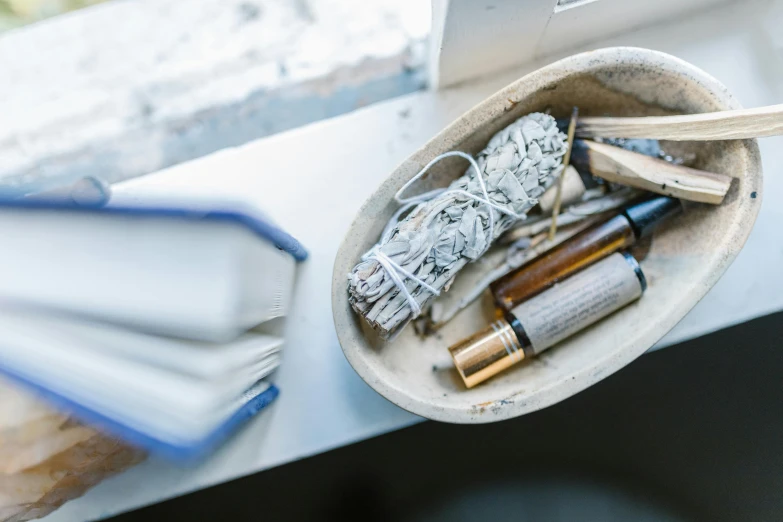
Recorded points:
686,259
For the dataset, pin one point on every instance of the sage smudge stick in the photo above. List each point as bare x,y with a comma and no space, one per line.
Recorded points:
419,256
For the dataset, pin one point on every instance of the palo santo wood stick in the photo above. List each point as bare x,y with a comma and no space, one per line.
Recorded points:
637,170
724,125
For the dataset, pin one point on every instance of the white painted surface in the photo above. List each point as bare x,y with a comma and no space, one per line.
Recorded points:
485,36
583,22
324,404
477,37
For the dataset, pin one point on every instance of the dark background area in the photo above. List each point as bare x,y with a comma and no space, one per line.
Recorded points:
692,432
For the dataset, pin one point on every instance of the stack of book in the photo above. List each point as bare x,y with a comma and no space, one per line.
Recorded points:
144,320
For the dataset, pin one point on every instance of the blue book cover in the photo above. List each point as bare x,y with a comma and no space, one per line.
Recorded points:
258,224
255,399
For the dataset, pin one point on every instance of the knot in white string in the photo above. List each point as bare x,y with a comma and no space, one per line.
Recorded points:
395,270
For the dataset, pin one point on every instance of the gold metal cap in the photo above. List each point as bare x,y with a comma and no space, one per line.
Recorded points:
486,353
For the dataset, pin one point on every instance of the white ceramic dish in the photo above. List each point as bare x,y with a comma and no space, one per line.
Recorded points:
686,259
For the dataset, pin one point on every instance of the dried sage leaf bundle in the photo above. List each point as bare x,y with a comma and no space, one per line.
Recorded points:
441,235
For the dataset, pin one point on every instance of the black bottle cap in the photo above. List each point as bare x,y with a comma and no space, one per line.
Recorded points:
645,216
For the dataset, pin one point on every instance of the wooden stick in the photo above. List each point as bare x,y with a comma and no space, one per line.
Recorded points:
566,161
637,170
724,125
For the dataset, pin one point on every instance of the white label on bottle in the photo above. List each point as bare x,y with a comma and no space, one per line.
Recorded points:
578,302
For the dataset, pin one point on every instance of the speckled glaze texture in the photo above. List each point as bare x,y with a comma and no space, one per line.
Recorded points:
687,257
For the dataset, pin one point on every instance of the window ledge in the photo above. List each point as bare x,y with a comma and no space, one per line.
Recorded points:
126,88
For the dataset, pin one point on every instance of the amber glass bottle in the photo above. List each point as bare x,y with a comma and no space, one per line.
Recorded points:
582,250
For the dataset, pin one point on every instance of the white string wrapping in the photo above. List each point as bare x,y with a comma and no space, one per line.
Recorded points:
418,255
393,268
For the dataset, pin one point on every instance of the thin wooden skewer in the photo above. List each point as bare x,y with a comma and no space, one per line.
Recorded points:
566,161
725,125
